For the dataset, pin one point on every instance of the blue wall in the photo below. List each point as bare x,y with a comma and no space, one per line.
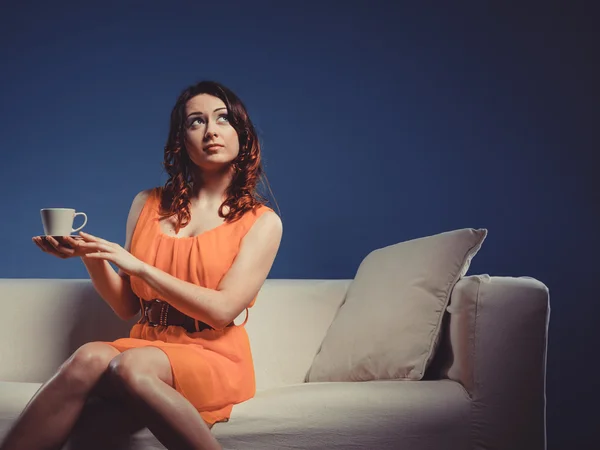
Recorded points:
379,124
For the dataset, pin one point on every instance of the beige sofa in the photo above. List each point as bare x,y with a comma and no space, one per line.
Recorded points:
484,390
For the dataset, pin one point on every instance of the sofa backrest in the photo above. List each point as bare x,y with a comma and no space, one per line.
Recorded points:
46,320
287,325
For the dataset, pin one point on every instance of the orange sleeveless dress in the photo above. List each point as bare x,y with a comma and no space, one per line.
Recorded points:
212,369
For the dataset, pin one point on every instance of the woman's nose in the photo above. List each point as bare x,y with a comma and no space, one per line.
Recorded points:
209,132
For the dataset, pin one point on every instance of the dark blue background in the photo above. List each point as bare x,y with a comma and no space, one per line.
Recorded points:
379,124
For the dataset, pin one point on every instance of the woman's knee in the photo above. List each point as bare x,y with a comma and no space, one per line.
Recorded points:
123,374
134,369
86,365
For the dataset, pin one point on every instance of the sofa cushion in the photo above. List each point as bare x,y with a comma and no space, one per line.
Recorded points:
423,415
388,326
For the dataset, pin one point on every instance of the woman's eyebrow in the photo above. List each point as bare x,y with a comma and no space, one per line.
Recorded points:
199,113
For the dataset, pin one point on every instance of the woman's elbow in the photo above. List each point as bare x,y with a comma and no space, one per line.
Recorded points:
128,314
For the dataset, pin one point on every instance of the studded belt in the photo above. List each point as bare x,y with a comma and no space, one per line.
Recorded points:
157,312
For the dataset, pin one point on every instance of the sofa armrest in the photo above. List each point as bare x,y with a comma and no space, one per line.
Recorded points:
497,333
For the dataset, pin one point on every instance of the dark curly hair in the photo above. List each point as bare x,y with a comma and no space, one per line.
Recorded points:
242,194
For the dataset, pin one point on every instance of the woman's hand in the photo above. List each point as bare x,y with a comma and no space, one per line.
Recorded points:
97,248
61,246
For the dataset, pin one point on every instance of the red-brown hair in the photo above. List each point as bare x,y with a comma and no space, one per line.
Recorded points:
242,195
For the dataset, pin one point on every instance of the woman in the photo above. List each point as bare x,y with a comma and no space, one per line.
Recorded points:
197,252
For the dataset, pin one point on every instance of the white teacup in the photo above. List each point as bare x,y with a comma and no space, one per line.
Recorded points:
59,221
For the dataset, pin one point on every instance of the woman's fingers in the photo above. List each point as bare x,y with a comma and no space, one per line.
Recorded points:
82,245
88,237
93,239
61,250
44,245
73,243
37,242
47,245
66,246
78,245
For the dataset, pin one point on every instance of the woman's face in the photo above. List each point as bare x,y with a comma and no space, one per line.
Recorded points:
207,123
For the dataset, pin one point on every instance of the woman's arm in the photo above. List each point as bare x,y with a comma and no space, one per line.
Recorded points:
239,286
115,288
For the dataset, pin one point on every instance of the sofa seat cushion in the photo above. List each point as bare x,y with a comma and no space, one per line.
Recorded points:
339,415
420,415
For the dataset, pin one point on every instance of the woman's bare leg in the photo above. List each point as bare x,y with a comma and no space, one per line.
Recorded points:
48,418
104,424
144,375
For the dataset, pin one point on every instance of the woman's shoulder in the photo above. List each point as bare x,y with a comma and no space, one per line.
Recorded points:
146,193
140,199
263,219
135,210
259,209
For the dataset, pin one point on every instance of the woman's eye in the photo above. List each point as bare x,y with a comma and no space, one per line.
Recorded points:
226,116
